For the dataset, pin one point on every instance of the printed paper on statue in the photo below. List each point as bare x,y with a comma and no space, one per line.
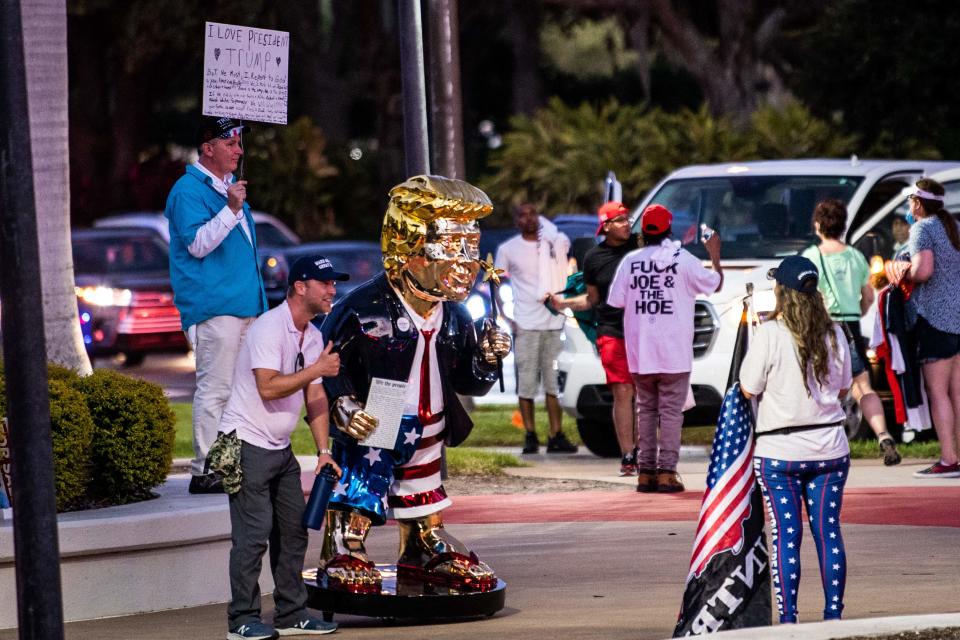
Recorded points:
245,73
385,402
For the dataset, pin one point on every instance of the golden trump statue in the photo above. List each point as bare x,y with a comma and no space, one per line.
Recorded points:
407,324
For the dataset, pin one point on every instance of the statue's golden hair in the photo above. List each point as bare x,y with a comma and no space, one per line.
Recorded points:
417,202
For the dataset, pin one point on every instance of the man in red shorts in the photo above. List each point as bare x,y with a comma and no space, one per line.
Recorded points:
599,265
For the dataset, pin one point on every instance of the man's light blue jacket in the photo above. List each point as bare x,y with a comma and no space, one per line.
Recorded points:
225,282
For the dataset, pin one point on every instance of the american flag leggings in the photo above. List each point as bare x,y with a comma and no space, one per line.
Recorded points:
818,484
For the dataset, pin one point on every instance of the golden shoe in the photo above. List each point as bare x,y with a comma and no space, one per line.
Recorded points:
429,555
344,564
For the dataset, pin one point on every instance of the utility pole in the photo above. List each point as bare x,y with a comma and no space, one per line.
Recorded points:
36,548
446,104
415,137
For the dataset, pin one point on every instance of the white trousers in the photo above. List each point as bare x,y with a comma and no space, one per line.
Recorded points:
216,343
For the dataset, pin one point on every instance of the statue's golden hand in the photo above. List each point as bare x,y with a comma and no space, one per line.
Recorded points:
495,344
349,416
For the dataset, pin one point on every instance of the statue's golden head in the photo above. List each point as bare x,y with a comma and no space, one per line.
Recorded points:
430,239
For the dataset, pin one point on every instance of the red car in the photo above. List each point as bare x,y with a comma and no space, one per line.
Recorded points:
124,294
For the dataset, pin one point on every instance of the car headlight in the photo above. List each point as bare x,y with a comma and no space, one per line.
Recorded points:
105,296
274,270
476,306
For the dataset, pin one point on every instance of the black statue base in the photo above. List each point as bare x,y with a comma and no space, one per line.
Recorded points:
422,602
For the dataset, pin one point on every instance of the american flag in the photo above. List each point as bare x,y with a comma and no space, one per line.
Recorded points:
730,481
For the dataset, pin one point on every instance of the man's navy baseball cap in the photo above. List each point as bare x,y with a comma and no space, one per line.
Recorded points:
798,273
213,127
314,268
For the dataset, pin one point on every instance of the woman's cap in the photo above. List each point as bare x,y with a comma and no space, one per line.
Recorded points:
796,272
917,192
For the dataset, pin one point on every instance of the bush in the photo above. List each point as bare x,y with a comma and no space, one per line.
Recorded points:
133,436
71,430
72,433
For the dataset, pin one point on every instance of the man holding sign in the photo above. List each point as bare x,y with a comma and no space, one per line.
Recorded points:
215,275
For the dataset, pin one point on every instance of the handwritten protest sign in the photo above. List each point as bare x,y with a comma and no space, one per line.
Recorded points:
245,73
6,495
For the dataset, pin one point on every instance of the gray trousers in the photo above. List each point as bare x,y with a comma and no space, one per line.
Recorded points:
268,507
659,400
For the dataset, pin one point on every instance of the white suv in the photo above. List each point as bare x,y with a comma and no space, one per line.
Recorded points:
763,212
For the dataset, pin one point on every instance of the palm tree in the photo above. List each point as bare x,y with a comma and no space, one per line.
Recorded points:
45,56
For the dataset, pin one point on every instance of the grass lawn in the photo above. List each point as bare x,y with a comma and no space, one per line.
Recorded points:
497,426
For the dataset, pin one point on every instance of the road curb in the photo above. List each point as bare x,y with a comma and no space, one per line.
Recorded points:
839,629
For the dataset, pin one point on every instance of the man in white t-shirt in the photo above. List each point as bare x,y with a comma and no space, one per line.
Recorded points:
535,262
656,287
279,368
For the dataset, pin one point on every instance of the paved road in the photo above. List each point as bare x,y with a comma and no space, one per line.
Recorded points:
611,564
611,580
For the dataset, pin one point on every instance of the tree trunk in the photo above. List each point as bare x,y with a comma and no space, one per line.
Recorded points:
737,74
45,54
523,23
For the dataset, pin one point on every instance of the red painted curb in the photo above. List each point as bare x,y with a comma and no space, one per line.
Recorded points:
915,506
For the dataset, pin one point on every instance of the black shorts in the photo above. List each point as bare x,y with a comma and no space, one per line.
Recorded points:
858,352
933,344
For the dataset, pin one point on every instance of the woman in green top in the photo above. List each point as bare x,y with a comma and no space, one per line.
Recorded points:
847,295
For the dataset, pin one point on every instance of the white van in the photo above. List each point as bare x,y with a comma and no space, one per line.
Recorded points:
762,211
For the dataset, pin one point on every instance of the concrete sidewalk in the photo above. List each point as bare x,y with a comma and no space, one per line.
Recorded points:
693,468
611,564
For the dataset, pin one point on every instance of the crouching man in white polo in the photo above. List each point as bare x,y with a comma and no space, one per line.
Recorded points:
280,366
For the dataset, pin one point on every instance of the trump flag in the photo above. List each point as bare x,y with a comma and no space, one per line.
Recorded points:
728,584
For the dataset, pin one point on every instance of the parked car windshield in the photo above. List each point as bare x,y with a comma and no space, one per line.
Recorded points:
757,217
128,254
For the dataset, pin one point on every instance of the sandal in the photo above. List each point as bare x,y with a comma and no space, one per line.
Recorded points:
347,573
451,570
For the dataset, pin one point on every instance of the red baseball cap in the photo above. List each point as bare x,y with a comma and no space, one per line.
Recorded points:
655,219
609,211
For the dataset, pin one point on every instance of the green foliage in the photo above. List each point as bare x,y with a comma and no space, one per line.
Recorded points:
71,431
497,426
587,49
869,450
72,434
183,442
464,461
793,132
291,176
885,68
133,438
559,157
61,373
